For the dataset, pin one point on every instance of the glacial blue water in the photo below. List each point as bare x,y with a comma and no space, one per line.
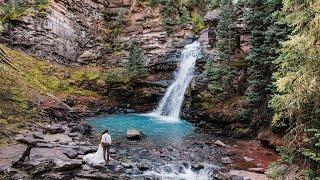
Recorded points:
154,128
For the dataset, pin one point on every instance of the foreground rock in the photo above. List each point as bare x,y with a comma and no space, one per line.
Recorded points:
133,134
220,143
248,175
55,129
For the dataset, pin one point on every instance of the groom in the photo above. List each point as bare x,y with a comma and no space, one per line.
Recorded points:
106,142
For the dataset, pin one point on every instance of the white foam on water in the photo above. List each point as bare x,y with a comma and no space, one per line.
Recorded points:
182,173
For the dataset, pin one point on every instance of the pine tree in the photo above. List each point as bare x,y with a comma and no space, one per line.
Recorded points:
296,103
226,30
135,64
218,72
266,36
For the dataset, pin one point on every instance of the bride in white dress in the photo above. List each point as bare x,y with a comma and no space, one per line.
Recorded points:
98,158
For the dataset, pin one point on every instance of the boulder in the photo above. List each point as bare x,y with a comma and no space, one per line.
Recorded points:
144,166
83,129
257,170
38,135
38,166
220,143
127,164
247,175
72,134
197,166
226,160
87,149
55,129
72,154
133,134
247,159
67,165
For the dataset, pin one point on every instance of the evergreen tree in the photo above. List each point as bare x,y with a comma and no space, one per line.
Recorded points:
256,59
219,73
266,35
135,64
296,103
226,30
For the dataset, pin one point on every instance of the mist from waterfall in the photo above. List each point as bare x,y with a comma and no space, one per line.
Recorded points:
170,104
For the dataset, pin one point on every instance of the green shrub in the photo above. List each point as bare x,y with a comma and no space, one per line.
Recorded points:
135,64
153,3
243,116
197,22
286,155
185,16
117,75
275,171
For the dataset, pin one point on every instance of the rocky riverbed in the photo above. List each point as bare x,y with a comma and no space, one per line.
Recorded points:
56,151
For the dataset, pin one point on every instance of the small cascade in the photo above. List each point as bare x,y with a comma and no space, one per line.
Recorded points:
174,172
170,105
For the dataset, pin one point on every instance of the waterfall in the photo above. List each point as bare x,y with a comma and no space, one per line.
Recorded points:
170,104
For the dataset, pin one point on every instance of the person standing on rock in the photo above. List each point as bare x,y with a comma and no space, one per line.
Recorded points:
99,157
106,142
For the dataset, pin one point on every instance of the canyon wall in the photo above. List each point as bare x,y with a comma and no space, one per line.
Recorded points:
75,33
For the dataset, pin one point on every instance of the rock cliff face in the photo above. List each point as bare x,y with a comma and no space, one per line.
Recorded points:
74,33
66,32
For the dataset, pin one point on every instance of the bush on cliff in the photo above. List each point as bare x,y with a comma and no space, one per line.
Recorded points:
135,63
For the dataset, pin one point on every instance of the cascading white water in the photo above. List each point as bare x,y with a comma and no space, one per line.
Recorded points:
173,172
170,105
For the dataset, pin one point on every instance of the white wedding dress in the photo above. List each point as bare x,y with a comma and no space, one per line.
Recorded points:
95,159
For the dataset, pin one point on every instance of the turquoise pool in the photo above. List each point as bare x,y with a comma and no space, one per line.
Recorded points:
154,128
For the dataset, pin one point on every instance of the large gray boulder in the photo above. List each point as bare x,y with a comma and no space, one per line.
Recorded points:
133,134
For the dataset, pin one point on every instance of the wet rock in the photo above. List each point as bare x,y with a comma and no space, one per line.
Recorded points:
86,167
113,151
38,135
220,176
55,129
67,165
83,129
257,170
144,166
112,163
259,165
64,143
56,175
129,111
72,143
248,175
44,145
83,143
127,164
87,149
39,166
226,160
98,175
18,175
235,177
72,134
10,154
133,134
70,153
197,166
220,143
247,159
